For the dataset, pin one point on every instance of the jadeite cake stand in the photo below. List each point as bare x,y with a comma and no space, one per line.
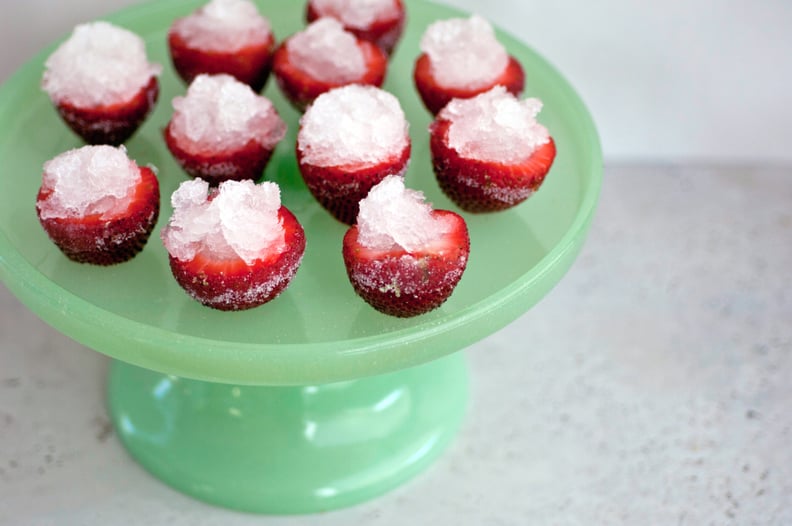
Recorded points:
313,401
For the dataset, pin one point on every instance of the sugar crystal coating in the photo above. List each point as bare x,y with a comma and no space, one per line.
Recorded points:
359,14
220,113
239,220
100,64
354,124
495,126
327,52
88,180
464,53
224,25
393,216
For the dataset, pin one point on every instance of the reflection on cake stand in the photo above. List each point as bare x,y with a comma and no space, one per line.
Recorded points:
313,401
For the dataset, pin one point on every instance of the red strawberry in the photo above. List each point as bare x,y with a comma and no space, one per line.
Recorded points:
405,283
110,237
232,284
435,96
486,185
101,82
385,31
216,144
223,36
349,140
251,64
110,124
222,279
301,88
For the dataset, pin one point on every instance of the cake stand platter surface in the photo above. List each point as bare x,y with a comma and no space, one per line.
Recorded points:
313,401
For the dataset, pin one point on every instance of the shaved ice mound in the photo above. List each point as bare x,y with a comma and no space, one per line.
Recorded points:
99,65
464,53
311,50
239,219
393,217
224,25
92,180
360,125
495,126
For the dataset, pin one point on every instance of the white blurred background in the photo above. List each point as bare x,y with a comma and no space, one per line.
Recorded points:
696,80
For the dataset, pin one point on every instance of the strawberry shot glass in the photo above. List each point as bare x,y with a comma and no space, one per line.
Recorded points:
97,205
349,140
232,247
223,36
101,83
403,257
489,153
222,130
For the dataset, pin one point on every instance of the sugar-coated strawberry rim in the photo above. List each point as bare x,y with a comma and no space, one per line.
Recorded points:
273,363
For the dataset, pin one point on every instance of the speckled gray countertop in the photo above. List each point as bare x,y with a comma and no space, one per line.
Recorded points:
652,386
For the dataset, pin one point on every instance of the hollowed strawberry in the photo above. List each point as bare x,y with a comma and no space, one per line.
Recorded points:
101,83
223,36
487,166
229,267
246,162
210,141
339,189
113,235
398,269
349,140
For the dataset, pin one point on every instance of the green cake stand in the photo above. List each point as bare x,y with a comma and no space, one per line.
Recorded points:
313,401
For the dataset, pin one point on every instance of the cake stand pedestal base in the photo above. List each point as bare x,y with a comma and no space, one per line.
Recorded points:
288,449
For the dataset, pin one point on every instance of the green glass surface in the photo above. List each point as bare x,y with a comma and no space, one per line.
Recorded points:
317,331
286,449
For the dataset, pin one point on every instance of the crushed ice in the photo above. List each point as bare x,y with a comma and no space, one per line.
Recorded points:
240,219
221,113
395,216
464,52
353,124
88,180
495,126
224,25
359,14
327,52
